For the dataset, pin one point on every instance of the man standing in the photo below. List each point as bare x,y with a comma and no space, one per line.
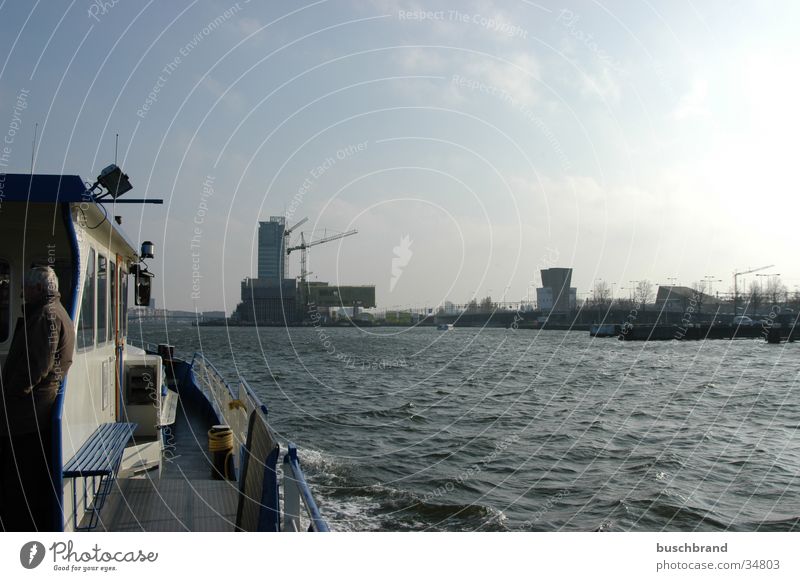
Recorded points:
38,360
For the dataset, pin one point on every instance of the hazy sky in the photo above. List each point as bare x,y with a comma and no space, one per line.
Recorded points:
628,140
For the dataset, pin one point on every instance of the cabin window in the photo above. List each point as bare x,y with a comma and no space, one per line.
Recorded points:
5,300
102,299
86,319
113,300
123,291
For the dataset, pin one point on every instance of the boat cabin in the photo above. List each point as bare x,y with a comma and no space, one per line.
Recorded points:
118,433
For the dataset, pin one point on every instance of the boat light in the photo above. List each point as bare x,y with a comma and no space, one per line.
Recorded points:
147,249
113,180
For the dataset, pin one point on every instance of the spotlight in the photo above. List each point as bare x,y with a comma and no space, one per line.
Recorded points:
113,180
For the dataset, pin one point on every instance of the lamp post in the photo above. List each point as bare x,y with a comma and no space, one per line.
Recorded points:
760,284
709,278
634,284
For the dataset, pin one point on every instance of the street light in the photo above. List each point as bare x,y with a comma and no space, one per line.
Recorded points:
711,280
634,287
761,286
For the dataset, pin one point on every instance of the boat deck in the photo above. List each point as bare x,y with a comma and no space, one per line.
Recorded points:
183,498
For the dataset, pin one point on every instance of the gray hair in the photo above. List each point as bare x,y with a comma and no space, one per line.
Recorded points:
43,276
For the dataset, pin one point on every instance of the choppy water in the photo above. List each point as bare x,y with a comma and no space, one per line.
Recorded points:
492,429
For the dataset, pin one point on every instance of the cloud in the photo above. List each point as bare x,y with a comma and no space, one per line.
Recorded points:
693,103
425,61
514,78
517,76
229,97
603,85
248,25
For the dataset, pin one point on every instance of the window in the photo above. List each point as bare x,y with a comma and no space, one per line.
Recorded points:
102,299
113,300
5,300
123,291
86,318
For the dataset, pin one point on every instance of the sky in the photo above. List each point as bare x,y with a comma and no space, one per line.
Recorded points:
470,143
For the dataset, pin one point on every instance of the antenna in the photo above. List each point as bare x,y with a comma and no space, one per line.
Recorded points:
116,147
33,145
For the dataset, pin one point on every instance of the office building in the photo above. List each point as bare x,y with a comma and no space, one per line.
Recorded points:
271,253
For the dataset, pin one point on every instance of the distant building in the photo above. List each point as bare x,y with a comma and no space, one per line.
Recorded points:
264,302
271,299
556,295
271,253
679,298
322,294
211,315
544,299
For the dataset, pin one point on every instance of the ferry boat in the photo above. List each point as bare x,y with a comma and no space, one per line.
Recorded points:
142,440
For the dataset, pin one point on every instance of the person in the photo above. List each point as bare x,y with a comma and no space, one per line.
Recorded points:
38,359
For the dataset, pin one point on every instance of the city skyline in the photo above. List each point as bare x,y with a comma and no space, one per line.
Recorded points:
470,145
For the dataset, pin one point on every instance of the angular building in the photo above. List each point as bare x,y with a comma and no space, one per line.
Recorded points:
557,293
271,253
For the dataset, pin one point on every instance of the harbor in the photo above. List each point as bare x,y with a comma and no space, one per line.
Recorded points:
491,429
301,270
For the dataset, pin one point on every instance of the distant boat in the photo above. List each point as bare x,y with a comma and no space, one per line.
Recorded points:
445,326
604,330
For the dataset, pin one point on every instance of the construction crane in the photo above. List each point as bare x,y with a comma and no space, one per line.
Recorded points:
303,248
286,233
736,276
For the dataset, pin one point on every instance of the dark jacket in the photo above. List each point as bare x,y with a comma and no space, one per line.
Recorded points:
39,357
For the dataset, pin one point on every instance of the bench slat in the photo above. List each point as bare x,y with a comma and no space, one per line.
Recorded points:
101,452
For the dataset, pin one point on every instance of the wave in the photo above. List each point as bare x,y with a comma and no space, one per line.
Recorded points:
406,411
351,504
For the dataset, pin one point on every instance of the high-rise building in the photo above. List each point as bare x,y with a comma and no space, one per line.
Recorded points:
271,252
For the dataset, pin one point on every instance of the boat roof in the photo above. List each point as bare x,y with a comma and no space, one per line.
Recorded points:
42,188
52,189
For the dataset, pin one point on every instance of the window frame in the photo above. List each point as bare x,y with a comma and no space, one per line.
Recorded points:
101,318
92,261
123,313
113,300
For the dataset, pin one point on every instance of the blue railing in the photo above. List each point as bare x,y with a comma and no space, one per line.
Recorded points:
235,408
295,490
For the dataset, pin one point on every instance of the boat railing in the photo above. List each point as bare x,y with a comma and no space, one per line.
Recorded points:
296,493
146,345
234,406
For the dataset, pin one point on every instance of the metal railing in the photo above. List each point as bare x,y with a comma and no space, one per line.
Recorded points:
234,406
297,492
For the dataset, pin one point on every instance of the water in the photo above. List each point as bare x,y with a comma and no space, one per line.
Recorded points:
492,429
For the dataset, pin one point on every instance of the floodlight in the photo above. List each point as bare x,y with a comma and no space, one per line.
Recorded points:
113,180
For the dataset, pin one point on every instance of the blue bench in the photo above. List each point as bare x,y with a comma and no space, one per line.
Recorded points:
98,459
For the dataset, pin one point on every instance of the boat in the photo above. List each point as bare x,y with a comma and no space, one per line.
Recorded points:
445,326
604,330
143,439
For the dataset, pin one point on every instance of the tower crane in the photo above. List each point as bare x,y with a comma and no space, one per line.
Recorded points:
286,233
736,276
303,248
